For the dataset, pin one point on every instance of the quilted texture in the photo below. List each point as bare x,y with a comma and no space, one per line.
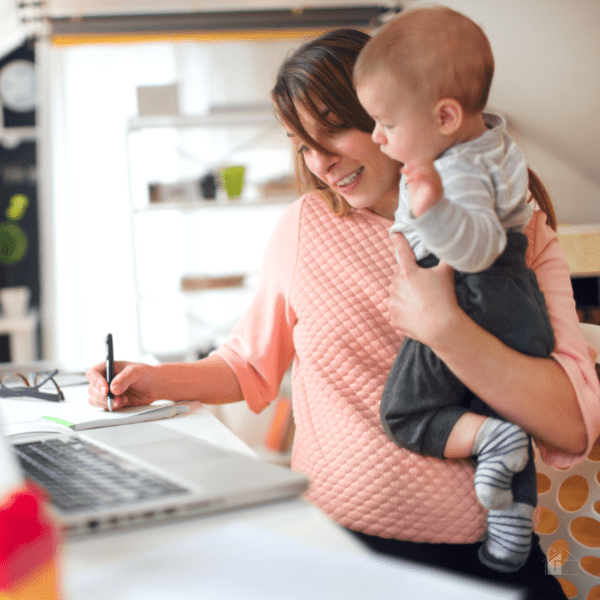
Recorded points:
345,346
322,302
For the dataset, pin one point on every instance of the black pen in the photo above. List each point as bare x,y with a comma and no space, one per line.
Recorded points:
110,368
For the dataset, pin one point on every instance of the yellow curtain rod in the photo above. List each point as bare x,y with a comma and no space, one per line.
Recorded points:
182,36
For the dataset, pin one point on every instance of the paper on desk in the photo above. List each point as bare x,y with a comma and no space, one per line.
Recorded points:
245,562
78,415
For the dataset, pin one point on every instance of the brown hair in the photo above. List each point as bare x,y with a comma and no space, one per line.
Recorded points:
542,198
433,53
316,74
321,70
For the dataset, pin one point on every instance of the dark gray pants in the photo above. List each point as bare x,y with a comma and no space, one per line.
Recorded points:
423,399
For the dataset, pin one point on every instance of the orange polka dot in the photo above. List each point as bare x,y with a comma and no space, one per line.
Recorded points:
543,483
586,531
573,493
568,588
597,507
594,593
595,453
591,565
548,521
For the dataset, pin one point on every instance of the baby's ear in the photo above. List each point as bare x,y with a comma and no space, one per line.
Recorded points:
450,115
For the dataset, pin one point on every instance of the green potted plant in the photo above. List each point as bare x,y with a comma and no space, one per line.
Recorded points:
14,300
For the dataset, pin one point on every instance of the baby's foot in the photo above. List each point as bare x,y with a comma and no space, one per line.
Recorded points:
502,449
508,543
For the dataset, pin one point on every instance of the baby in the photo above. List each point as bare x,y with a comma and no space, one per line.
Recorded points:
425,79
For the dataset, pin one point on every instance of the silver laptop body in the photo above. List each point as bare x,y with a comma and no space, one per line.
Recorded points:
200,478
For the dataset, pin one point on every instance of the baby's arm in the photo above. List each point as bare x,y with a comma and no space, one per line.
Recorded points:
424,185
453,211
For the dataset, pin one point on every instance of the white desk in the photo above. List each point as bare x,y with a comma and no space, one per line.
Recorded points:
247,550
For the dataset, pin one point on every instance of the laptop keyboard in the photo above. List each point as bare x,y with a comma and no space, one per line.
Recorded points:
78,475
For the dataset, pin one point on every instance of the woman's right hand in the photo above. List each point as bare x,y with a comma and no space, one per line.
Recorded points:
132,385
423,302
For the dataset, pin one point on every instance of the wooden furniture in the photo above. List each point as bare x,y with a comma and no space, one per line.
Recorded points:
581,244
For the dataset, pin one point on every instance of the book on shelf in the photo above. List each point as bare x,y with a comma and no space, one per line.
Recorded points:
190,283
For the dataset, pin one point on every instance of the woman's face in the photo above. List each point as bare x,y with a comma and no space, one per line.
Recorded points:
354,166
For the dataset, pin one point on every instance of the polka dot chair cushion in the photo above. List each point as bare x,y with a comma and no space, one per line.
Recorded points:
569,517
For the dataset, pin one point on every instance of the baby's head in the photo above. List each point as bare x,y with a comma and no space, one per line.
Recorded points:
424,56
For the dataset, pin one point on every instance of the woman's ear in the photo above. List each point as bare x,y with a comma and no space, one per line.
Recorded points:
449,115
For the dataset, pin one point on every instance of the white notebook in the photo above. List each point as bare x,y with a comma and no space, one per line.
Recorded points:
81,415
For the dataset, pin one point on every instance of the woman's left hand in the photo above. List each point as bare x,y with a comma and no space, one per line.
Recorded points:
423,302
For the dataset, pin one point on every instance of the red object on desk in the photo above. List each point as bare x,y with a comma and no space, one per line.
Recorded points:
29,543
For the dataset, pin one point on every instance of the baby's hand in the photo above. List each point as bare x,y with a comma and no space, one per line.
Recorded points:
424,185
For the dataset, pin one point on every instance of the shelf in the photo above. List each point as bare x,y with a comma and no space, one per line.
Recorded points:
195,283
227,116
223,203
168,157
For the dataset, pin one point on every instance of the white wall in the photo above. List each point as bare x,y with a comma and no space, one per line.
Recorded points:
12,31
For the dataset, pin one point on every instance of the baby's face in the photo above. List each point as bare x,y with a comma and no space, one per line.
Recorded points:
404,129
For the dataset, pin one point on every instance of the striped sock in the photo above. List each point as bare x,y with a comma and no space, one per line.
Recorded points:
502,449
508,541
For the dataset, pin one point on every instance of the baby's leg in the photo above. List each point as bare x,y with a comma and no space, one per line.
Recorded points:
502,450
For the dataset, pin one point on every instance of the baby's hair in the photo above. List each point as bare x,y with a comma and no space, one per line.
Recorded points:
434,53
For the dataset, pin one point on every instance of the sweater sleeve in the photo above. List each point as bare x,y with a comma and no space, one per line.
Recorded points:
260,347
572,352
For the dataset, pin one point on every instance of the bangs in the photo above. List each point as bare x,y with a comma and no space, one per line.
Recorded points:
335,117
316,81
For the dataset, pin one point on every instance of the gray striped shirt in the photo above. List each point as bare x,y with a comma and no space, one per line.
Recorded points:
485,194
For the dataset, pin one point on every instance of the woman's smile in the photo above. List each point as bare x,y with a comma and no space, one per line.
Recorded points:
349,182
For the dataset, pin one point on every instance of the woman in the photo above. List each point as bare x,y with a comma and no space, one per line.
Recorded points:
324,303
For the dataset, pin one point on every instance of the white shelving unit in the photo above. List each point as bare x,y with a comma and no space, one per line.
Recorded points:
210,240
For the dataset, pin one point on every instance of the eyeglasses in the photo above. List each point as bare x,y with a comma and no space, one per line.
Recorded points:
11,385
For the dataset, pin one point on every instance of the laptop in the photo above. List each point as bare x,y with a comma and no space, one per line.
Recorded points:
134,475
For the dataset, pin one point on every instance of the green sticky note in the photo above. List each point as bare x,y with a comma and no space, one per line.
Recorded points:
59,421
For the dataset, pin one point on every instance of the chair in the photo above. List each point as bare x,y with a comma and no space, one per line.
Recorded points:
569,524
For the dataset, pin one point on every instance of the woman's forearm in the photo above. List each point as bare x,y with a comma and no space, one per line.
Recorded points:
535,393
210,380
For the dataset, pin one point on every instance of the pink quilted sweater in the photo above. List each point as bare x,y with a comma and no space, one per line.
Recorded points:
323,304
